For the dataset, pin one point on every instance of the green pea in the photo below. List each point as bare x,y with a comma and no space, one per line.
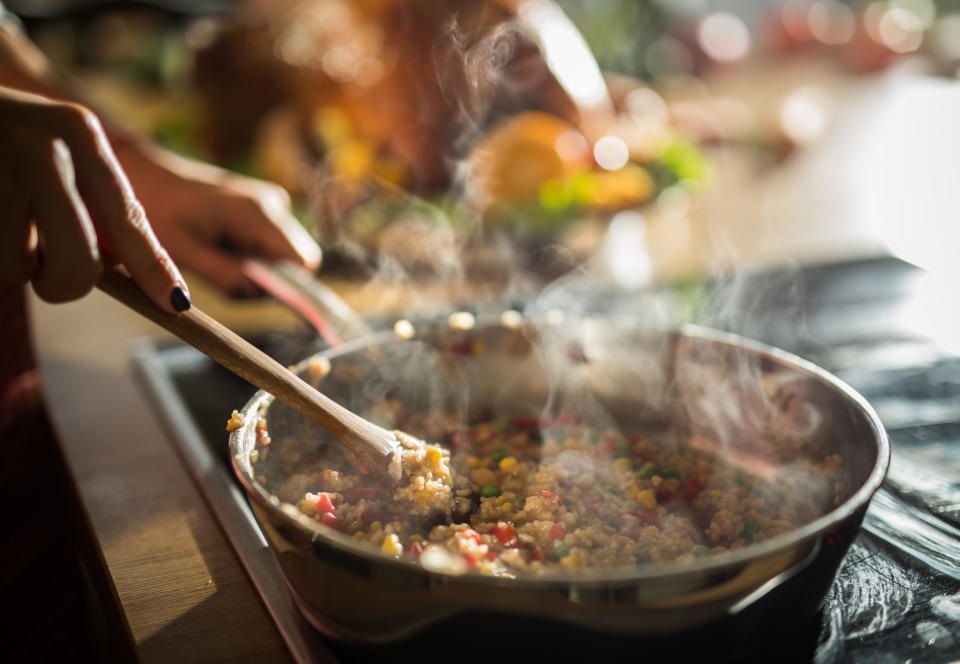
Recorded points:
669,473
490,491
615,490
560,551
498,456
750,528
520,502
699,550
648,470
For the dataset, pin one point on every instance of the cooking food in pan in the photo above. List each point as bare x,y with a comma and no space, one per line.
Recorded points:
524,501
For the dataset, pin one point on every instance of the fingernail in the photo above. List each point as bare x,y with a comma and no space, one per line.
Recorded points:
179,299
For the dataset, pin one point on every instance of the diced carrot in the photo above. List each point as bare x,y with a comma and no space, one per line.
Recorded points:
324,505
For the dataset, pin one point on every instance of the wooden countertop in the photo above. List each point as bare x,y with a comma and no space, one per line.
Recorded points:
182,588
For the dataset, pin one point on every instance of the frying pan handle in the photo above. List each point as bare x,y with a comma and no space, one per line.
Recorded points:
319,305
766,588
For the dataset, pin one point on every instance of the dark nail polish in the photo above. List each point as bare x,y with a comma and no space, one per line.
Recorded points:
179,299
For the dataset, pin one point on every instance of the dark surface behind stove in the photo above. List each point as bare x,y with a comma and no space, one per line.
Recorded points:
897,595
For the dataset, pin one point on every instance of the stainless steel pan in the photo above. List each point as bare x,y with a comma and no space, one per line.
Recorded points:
725,387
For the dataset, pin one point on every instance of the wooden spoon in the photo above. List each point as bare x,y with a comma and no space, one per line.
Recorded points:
374,445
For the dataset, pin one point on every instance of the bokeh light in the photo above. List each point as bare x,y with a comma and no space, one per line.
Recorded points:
831,22
647,107
802,115
611,153
625,252
900,30
403,329
724,37
462,320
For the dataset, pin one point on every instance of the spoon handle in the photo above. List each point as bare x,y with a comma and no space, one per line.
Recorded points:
373,444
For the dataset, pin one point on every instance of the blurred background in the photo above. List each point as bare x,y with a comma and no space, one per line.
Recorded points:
511,140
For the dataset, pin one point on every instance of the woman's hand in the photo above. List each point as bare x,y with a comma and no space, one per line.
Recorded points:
61,190
210,219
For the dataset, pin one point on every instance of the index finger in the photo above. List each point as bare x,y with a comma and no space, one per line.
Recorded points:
119,217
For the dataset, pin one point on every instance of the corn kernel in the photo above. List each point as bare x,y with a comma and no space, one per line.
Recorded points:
506,507
434,456
375,526
391,545
647,499
623,463
632,491
571,562
474,462
508,463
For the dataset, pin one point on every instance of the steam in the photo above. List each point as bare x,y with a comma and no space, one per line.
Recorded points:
423,261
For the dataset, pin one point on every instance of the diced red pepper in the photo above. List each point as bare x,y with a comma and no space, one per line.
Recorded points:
360,466
691,488
492,555
330,520
549,495
471,560
324,505
557,532
649,517
263,437
362,493
539,554
608,447
506,533
415,549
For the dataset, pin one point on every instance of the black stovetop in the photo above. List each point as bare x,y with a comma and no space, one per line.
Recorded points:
881,325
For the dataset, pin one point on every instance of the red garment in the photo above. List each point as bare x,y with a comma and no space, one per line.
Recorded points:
50,568
19,379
